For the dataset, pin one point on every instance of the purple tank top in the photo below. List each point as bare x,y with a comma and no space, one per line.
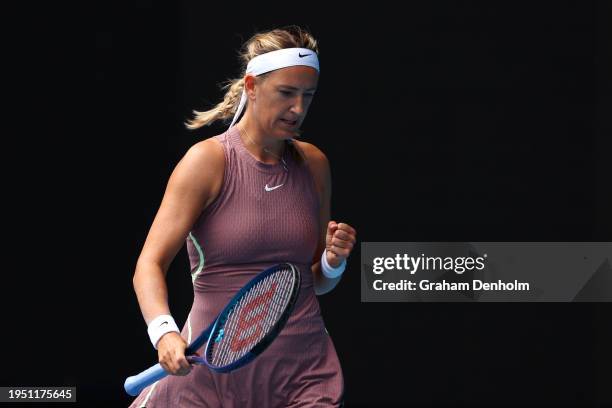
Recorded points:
263,215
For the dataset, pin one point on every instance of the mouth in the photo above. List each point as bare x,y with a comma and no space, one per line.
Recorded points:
291,123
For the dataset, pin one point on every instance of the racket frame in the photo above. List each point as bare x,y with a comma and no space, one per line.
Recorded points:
135,384
272,333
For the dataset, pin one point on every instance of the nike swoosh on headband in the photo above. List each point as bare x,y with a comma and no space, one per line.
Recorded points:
302,56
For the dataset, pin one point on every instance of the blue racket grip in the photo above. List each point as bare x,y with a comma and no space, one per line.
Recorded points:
136,383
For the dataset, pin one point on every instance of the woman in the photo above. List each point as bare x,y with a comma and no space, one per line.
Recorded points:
245,200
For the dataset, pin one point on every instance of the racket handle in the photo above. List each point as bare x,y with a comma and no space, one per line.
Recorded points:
195,360
136,383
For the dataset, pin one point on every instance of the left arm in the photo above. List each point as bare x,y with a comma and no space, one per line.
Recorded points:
338,239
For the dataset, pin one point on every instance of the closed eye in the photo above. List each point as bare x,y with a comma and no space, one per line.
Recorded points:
290,93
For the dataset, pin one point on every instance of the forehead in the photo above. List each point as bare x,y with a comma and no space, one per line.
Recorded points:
297,76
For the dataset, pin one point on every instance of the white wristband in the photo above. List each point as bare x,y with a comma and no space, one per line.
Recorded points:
328,271
159,326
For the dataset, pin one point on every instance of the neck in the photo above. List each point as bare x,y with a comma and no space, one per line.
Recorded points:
265,149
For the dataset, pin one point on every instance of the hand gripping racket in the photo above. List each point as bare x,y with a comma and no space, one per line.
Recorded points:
243,329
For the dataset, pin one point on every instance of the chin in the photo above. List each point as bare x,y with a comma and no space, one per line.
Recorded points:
286,133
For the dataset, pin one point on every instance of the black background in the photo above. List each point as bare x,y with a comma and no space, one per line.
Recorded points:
445,121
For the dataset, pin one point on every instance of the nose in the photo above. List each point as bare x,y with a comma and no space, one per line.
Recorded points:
299,105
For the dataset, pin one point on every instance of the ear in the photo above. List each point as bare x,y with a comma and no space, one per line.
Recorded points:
249,85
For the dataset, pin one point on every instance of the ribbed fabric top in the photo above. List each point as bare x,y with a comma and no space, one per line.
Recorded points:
262,216
243,231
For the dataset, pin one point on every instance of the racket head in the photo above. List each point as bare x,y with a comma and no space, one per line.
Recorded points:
253,318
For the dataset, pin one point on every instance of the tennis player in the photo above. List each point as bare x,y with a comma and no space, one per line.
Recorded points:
244,200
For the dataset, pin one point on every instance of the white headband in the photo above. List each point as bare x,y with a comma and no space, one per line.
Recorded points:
270,61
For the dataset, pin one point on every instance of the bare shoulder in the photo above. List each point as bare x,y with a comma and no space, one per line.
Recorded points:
209,150
318,165
201,170
205,156
315,158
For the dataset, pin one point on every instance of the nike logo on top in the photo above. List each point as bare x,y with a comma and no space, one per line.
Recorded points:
272,188
302,56
162,323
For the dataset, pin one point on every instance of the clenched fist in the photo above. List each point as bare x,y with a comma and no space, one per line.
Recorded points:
339,242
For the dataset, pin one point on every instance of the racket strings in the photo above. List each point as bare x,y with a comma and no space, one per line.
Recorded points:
253,317
242,337
235,324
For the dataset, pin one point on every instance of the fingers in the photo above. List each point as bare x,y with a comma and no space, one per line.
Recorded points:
331,229
341,238
175,364
342,227
344,236
339,251
171,353
342,243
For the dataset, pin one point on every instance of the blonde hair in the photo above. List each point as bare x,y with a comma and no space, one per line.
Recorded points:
286,37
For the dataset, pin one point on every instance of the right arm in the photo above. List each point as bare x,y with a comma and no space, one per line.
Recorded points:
193,185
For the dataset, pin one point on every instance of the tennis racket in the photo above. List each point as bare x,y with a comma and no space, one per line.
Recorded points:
243,329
